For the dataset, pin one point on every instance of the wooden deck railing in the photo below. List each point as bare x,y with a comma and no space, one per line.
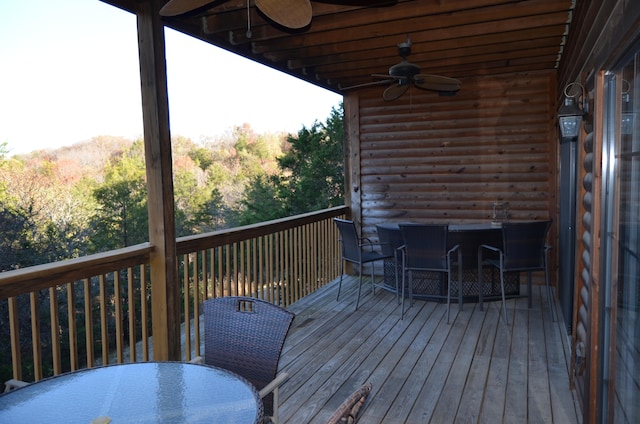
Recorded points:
95,310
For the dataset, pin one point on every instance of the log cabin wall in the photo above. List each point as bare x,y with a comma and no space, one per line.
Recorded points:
432,159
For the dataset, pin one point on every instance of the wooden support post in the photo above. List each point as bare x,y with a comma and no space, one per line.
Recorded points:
165,294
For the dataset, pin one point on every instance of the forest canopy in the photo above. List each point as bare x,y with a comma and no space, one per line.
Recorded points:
92,197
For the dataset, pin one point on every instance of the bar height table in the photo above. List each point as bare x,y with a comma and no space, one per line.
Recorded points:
429,286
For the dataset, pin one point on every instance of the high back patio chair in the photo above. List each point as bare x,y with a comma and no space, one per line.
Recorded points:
246,335
349,410
523,250
357,250
425,250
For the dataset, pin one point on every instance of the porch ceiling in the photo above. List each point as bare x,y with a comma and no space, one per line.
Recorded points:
344,45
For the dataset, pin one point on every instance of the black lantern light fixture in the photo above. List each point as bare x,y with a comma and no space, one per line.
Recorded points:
571,113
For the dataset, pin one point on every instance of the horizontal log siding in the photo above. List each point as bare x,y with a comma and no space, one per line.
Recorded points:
427,158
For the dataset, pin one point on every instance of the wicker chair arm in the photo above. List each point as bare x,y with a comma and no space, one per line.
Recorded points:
197,360
275,383
13,384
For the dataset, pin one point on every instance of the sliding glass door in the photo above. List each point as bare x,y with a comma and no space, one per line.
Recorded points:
621,249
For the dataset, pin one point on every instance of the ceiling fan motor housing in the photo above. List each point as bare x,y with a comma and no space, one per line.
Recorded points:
404,69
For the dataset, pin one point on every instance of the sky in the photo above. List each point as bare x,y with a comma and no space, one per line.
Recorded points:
69,72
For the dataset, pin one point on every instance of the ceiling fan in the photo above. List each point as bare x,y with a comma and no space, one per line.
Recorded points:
405,73
293,14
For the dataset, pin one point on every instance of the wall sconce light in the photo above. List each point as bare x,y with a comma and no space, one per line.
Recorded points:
572,112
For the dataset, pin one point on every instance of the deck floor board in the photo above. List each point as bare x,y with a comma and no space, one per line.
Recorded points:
473,370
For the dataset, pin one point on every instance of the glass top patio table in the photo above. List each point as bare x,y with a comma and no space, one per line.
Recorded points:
145,392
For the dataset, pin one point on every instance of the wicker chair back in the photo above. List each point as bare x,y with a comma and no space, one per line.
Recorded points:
246,336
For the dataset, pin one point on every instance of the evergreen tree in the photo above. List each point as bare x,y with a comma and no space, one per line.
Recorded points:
310,175
260,202
121,218
312,171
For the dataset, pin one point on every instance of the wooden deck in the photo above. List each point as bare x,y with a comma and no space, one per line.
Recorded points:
475,369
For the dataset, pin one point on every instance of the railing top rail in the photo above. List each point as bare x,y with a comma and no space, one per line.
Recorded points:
25,280
194,243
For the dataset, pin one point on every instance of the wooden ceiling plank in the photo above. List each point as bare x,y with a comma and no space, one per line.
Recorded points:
231,19
524,38
413,21
513,49
451,65
396,34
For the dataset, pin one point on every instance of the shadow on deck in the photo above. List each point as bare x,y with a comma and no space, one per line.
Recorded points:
476,369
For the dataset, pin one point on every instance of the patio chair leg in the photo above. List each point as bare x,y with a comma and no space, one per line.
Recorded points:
341,275
448,296
403,286
373,283
549,292
359,288
395,264
460,300
480,297
504,301
529,288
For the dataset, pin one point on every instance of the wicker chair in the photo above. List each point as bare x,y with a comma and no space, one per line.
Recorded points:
523,250
246,335
425,250
357,250
349,409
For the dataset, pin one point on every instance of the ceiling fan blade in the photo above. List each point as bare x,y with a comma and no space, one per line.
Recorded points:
436,82
368,84
292,14
384,76
180,7
395,91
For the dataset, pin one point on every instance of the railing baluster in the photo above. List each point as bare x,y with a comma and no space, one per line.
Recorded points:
35,336
131,302
103,321
14,328
88,322
73,333
144,313
55,328
118,316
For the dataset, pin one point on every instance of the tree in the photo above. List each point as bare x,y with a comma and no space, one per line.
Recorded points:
310,175
121,218
312,171
260,202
